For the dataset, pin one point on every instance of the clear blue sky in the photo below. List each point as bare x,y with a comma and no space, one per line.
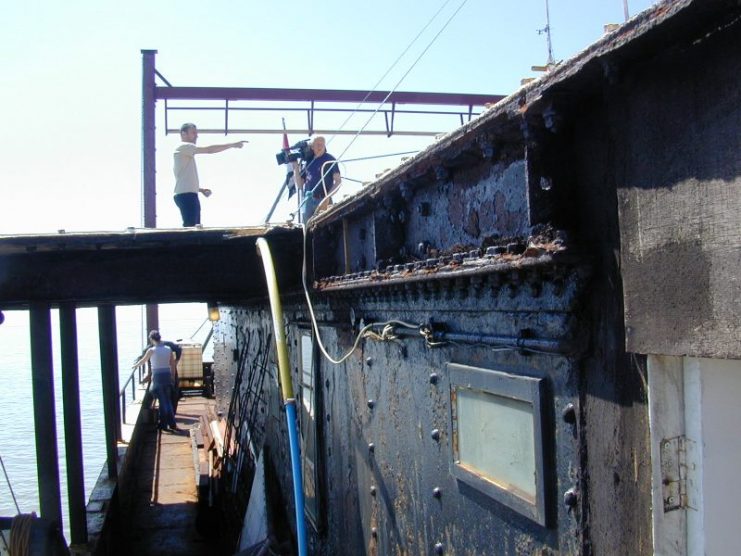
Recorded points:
70,86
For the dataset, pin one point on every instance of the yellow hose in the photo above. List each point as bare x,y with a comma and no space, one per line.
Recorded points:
276,309
287,387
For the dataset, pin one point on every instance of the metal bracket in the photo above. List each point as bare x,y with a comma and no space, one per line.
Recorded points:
673,460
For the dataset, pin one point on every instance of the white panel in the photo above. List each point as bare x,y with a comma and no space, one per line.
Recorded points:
666,420
721,454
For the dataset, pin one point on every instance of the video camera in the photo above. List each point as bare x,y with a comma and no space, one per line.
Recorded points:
299,151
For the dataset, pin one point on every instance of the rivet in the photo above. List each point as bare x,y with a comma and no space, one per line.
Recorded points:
570,498
569,413
436,492
434,378
369,361
435,434
374,532
373,490
371,404
371,447
439,549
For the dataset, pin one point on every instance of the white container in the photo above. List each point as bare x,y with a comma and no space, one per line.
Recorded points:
190,365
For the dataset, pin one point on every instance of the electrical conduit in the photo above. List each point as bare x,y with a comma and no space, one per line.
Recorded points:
287,389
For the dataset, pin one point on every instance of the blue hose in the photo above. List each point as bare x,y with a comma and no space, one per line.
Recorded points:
298,487
286,389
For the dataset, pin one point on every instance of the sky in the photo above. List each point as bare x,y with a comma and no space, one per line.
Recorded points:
70,86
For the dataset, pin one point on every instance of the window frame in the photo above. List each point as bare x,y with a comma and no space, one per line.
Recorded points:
313,512
516,387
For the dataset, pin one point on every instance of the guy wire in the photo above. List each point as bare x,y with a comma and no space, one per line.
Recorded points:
393,90
398,59
368,327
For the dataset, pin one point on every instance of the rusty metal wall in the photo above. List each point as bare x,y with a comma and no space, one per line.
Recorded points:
393,395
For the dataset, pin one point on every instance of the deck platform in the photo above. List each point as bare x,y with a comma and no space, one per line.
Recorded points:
163,508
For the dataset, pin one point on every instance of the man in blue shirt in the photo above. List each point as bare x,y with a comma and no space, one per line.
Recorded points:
318,180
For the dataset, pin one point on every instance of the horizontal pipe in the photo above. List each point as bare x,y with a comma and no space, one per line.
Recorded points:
514,342
304,109
322,95
233,131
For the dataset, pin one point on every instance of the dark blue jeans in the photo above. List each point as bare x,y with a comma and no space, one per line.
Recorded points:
162,389
190,208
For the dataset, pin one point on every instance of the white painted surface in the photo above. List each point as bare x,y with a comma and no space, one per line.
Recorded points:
666,420
693,403
701,400
721,487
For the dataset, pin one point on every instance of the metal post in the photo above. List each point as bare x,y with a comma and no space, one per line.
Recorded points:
42,378
152,318
72,424
149,168
149,171
551,60
109,368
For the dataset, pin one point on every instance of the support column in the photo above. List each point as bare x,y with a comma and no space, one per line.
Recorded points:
149,193
109,368
149,168
152,317
72,424
42,377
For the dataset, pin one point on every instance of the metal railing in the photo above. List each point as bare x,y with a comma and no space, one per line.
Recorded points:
140,370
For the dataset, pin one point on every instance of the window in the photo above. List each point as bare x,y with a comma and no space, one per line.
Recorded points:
308,426
497,437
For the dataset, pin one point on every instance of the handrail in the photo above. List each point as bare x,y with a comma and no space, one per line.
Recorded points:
122,394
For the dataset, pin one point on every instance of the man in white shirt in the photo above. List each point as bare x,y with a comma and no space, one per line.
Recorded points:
187,186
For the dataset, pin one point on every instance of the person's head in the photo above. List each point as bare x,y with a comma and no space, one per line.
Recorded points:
188,133
154,336
318,145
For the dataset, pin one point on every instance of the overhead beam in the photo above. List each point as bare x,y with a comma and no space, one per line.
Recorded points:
323,95
126,268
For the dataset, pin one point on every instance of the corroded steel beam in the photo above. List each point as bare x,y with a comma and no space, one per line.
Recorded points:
143,266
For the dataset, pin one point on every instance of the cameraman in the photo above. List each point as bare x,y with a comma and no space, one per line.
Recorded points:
318,180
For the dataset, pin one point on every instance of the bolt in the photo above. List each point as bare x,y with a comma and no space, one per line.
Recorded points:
435,434
373,490
434,378
439,549
436,492
369,361
515,248
570,497
569,413
371,404
371,447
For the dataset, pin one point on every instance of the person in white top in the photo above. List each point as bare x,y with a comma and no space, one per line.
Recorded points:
163,369
187,186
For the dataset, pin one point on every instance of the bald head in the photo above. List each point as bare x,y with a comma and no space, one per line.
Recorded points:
318,145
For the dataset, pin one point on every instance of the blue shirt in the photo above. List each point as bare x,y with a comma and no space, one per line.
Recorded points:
314,170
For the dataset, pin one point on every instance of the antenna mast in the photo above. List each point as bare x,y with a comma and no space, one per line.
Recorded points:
547,31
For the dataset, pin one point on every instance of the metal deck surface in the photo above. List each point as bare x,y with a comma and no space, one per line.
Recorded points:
162,518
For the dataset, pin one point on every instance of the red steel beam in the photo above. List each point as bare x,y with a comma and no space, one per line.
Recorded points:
321,95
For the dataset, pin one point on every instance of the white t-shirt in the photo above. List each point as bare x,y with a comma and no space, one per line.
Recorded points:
160,358
186,173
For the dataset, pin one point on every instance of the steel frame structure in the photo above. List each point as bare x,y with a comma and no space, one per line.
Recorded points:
468,106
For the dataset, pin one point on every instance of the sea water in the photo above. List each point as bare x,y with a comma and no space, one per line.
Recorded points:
17,440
